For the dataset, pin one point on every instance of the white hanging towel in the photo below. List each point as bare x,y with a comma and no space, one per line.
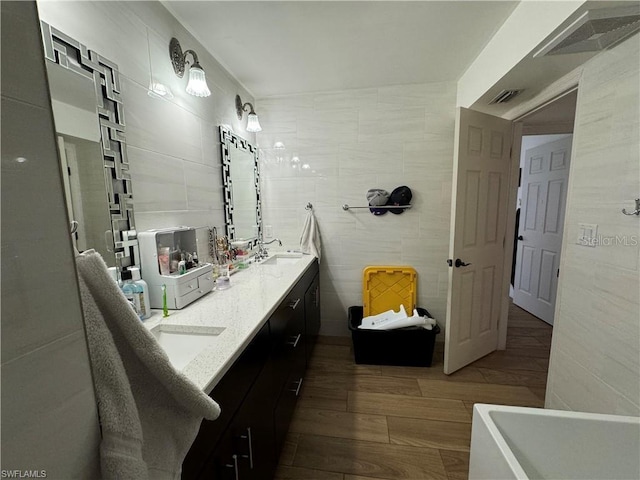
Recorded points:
310,242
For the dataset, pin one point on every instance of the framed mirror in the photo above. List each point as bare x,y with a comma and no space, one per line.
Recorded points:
89,119
241,183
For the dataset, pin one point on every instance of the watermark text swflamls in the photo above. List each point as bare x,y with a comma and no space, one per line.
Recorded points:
23,473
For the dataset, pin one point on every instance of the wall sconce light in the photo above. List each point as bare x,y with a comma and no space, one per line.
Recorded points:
253,125
197,85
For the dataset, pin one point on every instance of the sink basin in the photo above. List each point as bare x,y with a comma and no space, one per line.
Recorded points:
282,259
183,343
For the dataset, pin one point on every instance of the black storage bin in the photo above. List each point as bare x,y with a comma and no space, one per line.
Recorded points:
410,346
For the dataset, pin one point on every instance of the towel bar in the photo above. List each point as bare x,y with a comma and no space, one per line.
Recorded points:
347,207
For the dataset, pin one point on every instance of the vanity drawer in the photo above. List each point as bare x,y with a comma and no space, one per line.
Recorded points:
187,287
193,289
206,282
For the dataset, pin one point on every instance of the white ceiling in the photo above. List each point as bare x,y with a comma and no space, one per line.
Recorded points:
275,47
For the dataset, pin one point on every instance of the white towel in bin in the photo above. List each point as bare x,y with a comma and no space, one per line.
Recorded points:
310,242
149,413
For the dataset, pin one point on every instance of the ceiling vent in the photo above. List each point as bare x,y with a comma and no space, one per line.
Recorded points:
504,96
594,30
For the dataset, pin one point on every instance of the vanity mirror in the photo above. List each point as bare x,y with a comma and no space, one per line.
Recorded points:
89,119
241,181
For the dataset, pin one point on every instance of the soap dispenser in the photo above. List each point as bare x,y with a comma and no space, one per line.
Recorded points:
137,280
133,292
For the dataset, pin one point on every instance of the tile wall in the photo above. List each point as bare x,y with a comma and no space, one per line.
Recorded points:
49,418
352,141
173,145
595,357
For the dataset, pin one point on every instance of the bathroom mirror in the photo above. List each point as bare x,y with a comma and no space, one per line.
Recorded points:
241,181
89,119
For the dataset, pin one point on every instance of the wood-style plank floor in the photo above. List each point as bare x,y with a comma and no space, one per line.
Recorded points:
375,422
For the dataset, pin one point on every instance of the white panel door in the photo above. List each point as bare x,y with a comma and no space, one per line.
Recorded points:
544,194
478,221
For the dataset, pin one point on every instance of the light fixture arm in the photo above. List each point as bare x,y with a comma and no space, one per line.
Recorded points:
179,58
242,107
253,125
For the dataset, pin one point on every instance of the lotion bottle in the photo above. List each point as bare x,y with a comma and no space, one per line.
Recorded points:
133,292
145,305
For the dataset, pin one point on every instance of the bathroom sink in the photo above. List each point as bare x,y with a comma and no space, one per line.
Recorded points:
183,343
282,259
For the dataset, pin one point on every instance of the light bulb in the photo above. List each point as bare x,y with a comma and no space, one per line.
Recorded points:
253,125
197,85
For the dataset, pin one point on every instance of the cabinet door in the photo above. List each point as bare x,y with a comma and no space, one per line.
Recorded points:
229,393
288,360
312,315
254,432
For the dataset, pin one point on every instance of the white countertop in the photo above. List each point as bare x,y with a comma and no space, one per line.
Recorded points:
242,310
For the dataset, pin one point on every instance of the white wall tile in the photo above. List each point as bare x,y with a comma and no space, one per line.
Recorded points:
204,187
27,83
365,139
28,233
595,357
47,410
158,181
106,28
49,419
157,125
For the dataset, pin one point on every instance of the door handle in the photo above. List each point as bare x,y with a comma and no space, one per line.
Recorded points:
520,237
458,263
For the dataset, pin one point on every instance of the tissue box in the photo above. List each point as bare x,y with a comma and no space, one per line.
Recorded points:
411,346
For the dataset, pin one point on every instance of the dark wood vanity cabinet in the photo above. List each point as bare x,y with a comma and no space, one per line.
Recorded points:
258,394
312,315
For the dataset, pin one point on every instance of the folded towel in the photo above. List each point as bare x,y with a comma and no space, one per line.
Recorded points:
310,242
149,412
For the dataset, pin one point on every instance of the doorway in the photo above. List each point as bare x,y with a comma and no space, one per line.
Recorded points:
544,172
486,159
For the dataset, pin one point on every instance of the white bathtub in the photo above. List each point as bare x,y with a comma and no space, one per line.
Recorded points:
528,443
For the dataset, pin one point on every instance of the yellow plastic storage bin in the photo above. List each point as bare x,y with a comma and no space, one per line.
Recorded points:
386,287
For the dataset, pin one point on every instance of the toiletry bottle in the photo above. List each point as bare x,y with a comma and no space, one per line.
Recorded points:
182,265
145,306
133,292
113,273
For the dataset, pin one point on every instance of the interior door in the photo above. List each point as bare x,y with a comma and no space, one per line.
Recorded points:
544,194
478,222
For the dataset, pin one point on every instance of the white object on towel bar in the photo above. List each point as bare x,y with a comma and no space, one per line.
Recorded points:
310,242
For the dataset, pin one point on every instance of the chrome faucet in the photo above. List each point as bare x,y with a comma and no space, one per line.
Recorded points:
263,252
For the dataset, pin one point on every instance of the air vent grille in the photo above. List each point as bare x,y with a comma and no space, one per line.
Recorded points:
594,30
504,96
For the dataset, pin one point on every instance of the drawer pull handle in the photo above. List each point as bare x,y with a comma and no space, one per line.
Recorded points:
297,389
294,304
250,441
234,465
294,343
